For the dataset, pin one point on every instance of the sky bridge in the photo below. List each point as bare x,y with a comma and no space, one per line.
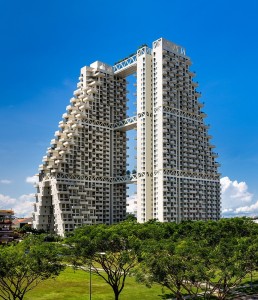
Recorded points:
126,124
131,178
128,66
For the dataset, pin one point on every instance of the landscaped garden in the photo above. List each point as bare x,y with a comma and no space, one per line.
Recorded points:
200,260
74,285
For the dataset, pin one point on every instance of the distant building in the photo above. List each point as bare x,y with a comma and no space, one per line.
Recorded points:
6,231
20,222
83,178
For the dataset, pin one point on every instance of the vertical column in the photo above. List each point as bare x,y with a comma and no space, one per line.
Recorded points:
144,136
158,147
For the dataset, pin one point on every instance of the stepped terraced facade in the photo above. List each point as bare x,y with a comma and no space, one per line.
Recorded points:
83,178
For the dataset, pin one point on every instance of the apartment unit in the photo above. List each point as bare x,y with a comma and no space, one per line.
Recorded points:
83,177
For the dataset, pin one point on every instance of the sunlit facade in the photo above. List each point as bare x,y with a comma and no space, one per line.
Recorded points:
84,174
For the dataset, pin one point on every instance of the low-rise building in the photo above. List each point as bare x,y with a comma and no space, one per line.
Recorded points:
6,230
20,222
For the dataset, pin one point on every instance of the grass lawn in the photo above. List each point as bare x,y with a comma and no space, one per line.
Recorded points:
73,285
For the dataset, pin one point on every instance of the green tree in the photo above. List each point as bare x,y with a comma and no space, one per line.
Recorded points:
25,265
28,229
232,259
178,266
211,258
130,218
251,257
108,251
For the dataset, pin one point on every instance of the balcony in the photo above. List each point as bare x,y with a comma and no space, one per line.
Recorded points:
45,158
203,115
192,74
88,98
76,207
73,100
93,83
75,197
66,144
91,91
73,187
61,124
57,133
77,92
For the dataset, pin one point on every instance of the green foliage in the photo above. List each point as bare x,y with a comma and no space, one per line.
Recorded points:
187,258
108,251
198,257
191,258
130,218
23,266
232,258
28,229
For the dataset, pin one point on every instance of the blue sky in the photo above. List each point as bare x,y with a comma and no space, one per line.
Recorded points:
45,43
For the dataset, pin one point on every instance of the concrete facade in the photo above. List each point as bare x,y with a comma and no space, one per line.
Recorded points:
83,178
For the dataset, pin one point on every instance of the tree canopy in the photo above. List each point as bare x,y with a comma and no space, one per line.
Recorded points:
195,258
108,251
23,266
207,258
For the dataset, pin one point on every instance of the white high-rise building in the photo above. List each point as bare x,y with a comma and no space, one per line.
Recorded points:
83,178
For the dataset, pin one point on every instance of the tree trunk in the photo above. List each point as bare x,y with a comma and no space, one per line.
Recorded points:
116,292
179,296
116,296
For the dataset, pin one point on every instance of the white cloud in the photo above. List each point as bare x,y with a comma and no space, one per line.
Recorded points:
253,208
131,204
6,202
27,197
234,194
32,179
236,199
5,181
22,206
